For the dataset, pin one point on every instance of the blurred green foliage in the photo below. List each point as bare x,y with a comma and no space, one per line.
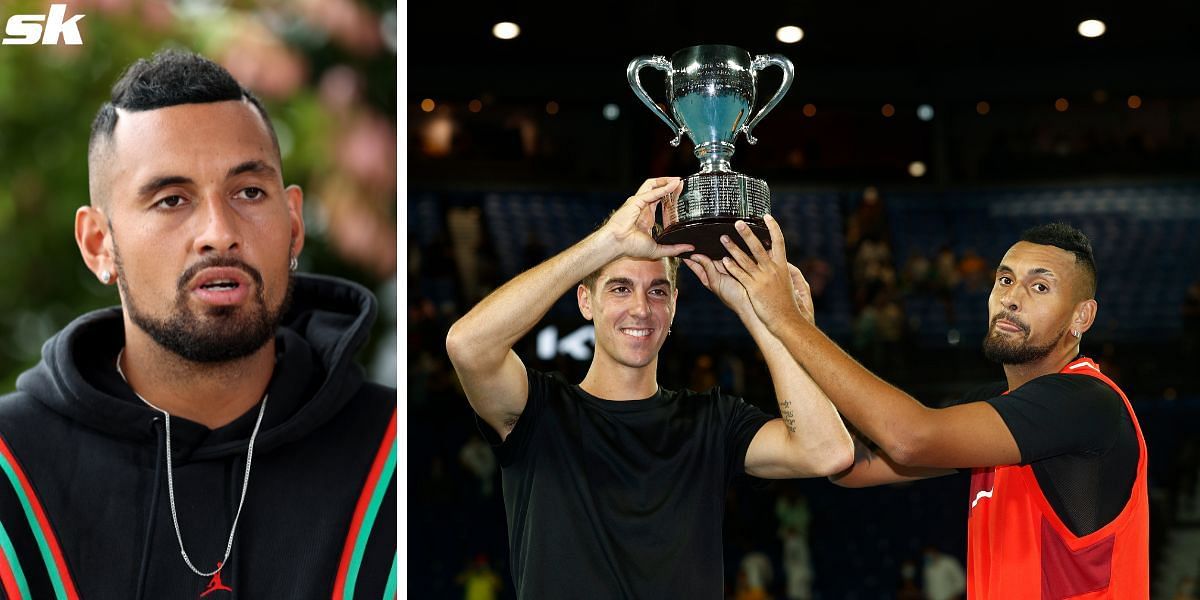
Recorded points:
48,97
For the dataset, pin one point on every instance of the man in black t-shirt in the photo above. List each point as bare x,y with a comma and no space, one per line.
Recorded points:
1058,496
615,487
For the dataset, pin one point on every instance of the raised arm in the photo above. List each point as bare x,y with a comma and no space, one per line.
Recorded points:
908,432
810,439
480,343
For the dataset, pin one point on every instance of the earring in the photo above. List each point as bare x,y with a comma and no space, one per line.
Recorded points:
293,264
105,276
1075,333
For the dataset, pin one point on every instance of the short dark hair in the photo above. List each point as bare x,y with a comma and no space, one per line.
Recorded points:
169,78
1066,237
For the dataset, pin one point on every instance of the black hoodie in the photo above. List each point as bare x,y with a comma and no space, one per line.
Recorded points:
84,507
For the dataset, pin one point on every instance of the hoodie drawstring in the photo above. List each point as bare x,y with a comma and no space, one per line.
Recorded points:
151,516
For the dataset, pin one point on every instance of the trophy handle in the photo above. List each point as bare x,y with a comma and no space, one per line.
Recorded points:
761,62
631,73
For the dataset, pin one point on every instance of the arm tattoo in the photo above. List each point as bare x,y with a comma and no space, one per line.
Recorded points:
789,419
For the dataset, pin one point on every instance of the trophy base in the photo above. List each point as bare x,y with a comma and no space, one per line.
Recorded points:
710,204
705,235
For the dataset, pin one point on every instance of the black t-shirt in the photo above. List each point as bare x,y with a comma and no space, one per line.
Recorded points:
1076,433
620,499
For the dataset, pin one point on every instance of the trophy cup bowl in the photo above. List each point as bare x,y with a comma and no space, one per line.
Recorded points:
711,91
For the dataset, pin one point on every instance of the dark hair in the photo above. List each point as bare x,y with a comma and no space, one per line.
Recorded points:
170,78
1065,237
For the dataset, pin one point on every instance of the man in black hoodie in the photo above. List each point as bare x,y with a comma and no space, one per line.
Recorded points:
212,437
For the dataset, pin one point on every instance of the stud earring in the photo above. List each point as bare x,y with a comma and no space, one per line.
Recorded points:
1075,333
105,276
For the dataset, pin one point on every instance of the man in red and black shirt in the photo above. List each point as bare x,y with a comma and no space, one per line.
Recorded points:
1058,490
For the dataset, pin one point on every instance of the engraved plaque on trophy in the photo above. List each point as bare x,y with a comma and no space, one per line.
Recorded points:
711,91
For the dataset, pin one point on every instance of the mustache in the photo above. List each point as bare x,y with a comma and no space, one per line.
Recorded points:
219,261
1008,316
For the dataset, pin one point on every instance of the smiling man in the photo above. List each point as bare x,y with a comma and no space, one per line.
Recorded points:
615,487
212,436
1059,506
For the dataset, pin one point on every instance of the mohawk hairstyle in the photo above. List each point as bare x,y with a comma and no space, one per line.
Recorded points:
169,78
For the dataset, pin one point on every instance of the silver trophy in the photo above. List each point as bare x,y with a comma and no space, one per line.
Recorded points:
711,91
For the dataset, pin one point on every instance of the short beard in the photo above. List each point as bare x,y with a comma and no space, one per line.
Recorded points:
996,350
227,335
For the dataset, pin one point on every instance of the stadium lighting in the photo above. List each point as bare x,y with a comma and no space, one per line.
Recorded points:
1092,28
506,30
789,34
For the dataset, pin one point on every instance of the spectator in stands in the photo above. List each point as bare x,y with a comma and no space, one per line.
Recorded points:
866,336
756,567
744,590
477,458
703,376
945,279
917,277
973,270
908,589
871,254
945,269
879,331
943,576
480,581
1058,459
791,508
872,272
615,487
868,221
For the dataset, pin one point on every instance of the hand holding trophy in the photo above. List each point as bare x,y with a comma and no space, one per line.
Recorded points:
711,91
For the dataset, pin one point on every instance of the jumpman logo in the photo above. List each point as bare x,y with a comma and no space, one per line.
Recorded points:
215,584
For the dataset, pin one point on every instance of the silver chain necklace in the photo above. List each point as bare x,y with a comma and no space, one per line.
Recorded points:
171,478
